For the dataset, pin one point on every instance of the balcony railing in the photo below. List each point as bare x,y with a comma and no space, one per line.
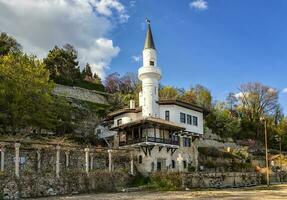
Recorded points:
149,139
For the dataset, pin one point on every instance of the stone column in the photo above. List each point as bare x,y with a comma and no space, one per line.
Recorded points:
17,160
110,160
92,161
132,164
2,160
38,159
58,148
67,153
87,159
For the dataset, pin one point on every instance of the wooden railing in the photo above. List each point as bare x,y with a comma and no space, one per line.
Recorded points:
149,139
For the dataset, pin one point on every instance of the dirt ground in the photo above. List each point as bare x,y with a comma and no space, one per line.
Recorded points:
274,192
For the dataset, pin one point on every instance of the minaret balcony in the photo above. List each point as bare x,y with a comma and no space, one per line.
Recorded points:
149,71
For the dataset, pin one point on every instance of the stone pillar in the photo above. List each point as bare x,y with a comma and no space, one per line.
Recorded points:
2,160
110,160
92,161
67,153
87,159
38,159
17,159
132,164
58,148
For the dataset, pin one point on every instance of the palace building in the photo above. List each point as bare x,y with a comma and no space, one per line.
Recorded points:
162,134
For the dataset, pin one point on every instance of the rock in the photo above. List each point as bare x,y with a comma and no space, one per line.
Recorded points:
51,192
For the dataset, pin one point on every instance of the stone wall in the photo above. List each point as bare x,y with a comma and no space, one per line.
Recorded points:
220,180
206,180
34,170
81,94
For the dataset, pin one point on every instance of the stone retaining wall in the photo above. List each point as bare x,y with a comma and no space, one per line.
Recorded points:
81,94
33,170
219,180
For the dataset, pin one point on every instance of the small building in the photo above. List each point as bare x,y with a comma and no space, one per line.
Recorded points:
161,133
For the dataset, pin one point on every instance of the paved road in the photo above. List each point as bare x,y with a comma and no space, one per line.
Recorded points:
258,193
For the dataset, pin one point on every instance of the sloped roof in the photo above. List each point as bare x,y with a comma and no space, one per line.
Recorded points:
150,120
149,43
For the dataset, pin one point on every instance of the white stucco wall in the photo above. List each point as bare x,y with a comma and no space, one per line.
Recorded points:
188,154
149,75
127,117
174,112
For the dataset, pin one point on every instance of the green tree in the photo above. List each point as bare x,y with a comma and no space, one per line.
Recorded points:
255,102
203,96
63,65
188,96
87,72
24,92
8,44
222,122
168,92
98,80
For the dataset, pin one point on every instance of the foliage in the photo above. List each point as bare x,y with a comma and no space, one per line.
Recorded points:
255,102
203,96
124,88
62,64
64,68
24,92
168,92
8,44
140,180
25,96
221,121
214,152
165,181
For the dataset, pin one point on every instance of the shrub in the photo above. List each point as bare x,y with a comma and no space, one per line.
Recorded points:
165,181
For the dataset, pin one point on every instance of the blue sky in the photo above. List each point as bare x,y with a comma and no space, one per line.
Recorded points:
229,43
220,44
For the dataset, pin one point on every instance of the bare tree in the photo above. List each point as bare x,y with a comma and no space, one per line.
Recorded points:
256,101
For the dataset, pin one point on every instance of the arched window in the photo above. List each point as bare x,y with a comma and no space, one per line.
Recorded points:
172,164
152,166
184,164
140,159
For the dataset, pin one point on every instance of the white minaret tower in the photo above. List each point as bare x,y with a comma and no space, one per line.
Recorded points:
150,75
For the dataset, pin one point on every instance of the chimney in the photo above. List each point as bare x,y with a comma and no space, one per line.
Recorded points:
132,104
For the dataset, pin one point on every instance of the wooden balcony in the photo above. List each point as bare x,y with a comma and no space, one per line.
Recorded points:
149,140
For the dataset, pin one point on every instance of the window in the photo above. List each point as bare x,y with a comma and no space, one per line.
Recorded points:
184,164
99,131
140,159
167,115
152,166
188,119
194,121
119,122
172,164
186,142
182,117
151,63
175,139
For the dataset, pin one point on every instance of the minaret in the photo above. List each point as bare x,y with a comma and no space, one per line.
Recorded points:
150,75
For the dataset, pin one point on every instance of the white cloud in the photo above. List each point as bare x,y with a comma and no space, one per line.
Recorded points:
106,7
39,25
137,58
198,4
284,91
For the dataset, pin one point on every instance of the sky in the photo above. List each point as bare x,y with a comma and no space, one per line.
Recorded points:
219,44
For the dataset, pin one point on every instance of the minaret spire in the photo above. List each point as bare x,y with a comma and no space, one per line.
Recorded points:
149,43
150,75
